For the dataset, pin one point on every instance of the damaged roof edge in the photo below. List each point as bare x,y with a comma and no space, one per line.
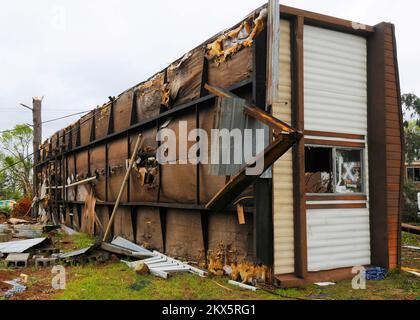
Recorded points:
20,246
286,11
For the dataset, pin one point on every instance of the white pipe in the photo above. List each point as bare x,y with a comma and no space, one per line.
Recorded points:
241,285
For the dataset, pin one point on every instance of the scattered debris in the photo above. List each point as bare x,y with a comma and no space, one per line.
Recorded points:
412,248
142,268
221,286
28,231
24,278
68,231
16,288
15,221
5,237
22,245
122,251
325,284
123,243
74,253
376,274
415,272
411,229
161,265
242,285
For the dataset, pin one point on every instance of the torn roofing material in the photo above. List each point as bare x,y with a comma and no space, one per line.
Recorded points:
125,244
75,253
21,246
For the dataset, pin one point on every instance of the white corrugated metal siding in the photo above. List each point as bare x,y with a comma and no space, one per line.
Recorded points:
283,169
335,81
338,238
336,101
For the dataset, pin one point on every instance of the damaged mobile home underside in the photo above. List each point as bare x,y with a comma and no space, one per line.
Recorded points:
192,211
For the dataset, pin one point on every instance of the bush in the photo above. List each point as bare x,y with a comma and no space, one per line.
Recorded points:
22,207
410,203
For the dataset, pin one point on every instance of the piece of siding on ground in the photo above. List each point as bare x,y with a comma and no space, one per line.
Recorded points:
335,81
338,239
283,169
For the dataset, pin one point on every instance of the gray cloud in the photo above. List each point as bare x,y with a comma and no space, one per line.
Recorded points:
80,52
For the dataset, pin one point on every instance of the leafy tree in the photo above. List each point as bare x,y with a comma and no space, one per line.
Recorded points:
16,161
412,140
411,105
411,110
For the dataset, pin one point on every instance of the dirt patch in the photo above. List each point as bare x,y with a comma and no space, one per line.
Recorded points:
38,285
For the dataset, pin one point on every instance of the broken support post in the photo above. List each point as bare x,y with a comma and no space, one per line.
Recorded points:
117,203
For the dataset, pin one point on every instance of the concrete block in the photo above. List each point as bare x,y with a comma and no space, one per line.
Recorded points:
45,262
17,260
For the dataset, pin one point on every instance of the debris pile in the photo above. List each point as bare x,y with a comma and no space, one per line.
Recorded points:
224,261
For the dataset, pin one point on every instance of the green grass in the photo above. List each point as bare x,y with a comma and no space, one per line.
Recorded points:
118,282
409,239
82,240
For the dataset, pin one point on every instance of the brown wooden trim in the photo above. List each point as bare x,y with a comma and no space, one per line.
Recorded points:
334,135
298,116
346,144
336,198
325,21
337,206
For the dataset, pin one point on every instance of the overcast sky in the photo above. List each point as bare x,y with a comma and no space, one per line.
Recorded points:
77,53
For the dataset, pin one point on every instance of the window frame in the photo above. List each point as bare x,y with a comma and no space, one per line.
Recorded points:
334,170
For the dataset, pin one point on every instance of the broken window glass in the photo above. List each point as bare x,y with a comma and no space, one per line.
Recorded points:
318,170
333,170
349,174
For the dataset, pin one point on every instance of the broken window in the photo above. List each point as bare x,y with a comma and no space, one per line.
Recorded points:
318,170
333,170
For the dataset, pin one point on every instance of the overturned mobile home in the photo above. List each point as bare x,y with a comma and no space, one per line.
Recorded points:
330,199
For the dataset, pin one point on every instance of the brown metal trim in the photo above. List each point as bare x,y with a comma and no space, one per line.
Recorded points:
334,135
336,198
400,113
299,192
337,206
334,143
329,22
377,149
